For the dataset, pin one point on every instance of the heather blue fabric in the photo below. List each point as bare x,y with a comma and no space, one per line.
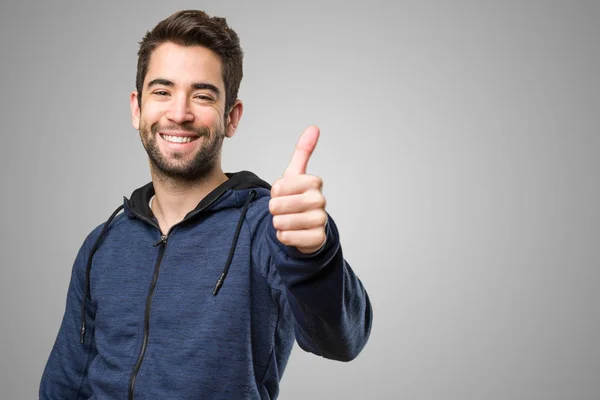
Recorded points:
233,345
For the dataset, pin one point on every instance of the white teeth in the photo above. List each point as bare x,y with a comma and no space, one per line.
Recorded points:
177,139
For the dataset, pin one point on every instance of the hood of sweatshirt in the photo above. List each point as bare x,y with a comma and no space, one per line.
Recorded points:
138,203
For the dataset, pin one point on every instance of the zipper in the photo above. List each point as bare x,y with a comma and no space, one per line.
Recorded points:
162,243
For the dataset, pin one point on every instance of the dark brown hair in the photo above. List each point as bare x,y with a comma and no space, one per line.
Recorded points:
196,28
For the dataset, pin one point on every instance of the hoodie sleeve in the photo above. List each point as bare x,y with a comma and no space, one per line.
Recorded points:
331,308
65,373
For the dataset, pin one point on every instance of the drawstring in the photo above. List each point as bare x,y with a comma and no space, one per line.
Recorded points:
221,279
89,267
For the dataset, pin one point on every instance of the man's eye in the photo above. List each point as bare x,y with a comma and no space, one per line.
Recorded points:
161,92
204,97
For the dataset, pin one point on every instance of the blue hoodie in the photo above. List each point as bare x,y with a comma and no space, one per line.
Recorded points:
208,311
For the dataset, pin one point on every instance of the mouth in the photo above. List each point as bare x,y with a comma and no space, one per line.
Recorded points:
179,139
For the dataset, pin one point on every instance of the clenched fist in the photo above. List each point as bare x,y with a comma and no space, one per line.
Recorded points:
297,202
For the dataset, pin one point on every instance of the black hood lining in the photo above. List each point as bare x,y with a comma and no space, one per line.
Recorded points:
140,198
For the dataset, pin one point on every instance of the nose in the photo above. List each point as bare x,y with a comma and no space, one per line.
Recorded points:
179,110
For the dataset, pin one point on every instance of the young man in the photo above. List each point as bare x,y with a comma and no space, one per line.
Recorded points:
200,287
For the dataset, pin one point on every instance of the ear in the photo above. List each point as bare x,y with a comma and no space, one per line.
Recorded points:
233,118
135,110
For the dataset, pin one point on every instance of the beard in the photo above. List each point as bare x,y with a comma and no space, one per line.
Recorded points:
178,166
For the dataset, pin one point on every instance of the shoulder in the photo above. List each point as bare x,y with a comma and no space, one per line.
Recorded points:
101,229
258,209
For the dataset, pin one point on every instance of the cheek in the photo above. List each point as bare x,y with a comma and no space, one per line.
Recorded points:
209,117
151,114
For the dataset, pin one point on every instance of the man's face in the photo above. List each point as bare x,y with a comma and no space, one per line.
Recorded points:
181,117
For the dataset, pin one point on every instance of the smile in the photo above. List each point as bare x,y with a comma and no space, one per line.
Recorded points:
179,139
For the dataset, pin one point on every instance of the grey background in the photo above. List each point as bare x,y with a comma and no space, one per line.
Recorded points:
460,152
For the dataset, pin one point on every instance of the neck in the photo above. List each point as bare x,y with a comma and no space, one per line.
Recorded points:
174,199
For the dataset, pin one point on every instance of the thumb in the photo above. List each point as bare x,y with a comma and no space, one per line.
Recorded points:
304,149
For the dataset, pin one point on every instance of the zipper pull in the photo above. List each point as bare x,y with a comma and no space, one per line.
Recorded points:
82,333
163,240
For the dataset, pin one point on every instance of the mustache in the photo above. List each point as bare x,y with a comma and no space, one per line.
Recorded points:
199,131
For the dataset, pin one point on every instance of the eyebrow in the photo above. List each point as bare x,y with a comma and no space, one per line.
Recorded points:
196,85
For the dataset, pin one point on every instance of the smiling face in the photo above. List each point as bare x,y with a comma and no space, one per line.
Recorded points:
181,119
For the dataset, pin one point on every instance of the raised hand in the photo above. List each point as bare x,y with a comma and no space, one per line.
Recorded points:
297,202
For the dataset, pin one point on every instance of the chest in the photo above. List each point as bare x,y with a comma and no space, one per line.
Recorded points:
173,281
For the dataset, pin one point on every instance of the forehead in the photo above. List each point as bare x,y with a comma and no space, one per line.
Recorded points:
185,65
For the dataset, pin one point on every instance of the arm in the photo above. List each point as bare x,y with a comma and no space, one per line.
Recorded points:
65,373
330,306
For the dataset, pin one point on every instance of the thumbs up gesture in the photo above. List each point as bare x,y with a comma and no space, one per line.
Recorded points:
297,202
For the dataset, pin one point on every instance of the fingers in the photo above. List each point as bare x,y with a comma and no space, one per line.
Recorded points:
307,240
306,220
299,184
310,200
